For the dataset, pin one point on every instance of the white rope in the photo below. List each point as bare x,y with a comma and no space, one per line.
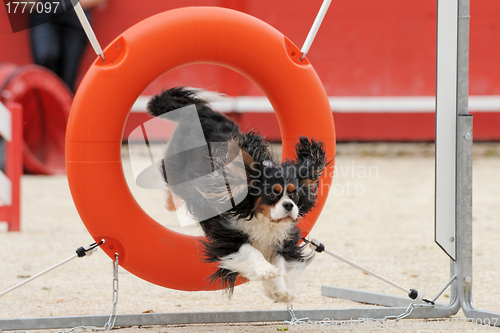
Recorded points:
315,27
38,275
88,31
87,250
412,293
367,271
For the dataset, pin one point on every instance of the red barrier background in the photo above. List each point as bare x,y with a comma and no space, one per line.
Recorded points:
364,48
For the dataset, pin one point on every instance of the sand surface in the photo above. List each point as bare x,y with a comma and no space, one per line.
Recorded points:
379,214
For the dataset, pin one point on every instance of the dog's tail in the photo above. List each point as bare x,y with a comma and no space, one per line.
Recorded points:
173,99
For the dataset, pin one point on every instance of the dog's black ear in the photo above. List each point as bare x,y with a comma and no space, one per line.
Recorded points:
254,145
255,153
311,161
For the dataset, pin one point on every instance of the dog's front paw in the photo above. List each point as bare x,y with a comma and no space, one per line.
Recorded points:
281,295
266,272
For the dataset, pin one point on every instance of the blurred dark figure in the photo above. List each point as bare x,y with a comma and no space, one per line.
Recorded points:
58,40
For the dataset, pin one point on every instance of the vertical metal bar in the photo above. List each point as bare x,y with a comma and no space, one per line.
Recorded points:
463,58
464,207
463,264
464,177
464,146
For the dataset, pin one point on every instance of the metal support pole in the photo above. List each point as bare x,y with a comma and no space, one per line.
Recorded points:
464,176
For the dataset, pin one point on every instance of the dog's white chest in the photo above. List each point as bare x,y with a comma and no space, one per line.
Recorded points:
265,236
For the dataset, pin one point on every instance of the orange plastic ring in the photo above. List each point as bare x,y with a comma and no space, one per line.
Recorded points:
109,89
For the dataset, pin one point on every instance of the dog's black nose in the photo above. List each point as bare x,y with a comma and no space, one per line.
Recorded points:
288,206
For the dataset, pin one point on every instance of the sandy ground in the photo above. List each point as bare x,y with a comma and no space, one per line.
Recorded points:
379,214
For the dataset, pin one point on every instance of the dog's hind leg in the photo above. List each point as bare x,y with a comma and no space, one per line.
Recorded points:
172,201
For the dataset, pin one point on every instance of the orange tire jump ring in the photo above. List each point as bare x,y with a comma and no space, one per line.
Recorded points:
109,89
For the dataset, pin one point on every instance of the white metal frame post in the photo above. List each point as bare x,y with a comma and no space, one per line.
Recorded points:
446,128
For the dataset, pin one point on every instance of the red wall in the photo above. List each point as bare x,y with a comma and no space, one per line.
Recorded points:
364,48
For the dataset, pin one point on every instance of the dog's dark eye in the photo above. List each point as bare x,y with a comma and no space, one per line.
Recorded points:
293,195
276,190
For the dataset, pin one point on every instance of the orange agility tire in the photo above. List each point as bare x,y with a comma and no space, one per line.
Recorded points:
109,89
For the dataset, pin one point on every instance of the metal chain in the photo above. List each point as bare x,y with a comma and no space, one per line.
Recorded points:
297,321
405,314
112,318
